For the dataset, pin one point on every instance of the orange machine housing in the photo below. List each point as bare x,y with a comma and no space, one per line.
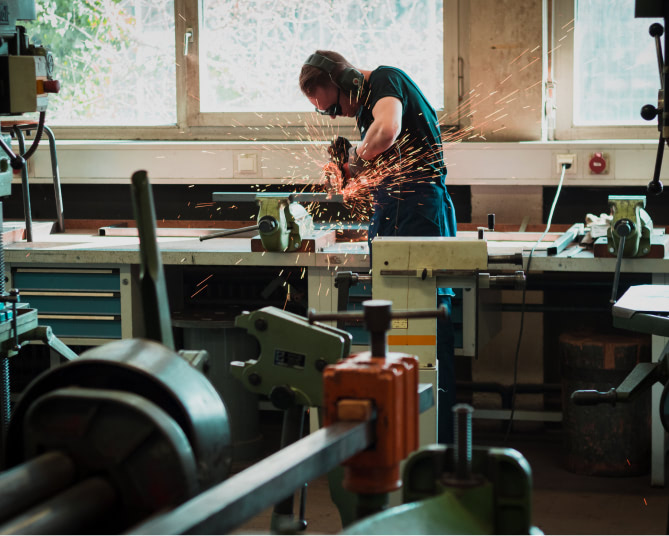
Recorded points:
391,384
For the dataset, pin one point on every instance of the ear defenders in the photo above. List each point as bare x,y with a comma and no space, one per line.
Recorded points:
349,79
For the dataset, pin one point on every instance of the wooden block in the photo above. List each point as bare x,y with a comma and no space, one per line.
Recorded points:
315,242
659,243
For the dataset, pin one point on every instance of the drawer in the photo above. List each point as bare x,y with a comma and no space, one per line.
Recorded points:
66,279
82,326
81,303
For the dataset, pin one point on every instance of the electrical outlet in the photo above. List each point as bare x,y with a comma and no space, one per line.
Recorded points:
566,158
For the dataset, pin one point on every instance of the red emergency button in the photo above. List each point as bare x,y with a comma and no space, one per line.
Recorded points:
597,163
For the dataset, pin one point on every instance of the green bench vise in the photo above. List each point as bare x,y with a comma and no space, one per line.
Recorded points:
631,226
293,354
282,222
459,489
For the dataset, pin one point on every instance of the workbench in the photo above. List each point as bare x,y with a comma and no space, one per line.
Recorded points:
103,270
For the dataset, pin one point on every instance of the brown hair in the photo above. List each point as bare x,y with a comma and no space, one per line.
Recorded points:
312,77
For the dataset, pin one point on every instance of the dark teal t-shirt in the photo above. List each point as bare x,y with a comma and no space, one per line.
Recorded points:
411,199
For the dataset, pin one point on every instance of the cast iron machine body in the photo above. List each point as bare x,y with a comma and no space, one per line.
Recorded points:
26,78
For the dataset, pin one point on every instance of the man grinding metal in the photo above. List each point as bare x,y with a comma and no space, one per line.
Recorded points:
399,161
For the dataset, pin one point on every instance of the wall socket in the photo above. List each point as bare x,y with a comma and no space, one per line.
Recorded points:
566,158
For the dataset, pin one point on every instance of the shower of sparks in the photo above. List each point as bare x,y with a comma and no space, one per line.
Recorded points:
391,170
198,291
205,279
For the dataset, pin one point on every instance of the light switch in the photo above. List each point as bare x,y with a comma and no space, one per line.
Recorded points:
247,163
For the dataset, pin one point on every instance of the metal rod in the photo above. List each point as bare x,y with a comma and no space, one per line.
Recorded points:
157,320
232,502
228,232
33,481
297,197
283,514
660,59
60,220
514,258
70,512
25,186
616,275
463,441
5,402
313,316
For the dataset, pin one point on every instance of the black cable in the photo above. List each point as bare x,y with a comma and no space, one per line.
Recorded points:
522,306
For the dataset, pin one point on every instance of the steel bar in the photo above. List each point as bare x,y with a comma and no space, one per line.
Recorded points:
229,504
45,334
25,185
33,481
157,321
297,197
60,219
313,316
71,512
564,240
513,258
228,232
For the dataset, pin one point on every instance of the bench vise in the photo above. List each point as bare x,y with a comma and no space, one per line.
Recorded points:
631,227
282,222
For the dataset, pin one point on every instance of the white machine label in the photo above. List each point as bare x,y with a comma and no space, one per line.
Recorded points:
399,323
285,358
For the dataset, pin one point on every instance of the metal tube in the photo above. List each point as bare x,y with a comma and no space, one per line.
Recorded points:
228,232
5,403
60,220
291,431
33,481
25,187
514,258
70,512
227,505
616,275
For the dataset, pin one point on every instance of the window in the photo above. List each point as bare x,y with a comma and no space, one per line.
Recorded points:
605,70
114,59
181,69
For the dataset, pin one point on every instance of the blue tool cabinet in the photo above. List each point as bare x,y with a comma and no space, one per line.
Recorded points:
76,303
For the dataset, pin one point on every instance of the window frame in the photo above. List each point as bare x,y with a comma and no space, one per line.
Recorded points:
562,60
193,125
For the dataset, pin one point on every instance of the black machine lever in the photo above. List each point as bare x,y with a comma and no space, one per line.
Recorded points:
649,112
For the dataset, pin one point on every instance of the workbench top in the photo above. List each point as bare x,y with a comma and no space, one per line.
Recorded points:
87,246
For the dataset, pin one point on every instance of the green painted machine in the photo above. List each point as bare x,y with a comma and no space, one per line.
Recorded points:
293,355
457,489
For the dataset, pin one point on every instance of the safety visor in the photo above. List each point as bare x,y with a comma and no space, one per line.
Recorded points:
335,109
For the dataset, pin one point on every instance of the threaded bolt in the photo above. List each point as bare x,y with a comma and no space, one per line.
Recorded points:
463,441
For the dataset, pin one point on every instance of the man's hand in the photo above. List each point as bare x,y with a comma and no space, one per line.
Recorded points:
334,178
339,150
355,163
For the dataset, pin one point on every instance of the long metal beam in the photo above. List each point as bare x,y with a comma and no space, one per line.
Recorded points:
236,500
296,197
